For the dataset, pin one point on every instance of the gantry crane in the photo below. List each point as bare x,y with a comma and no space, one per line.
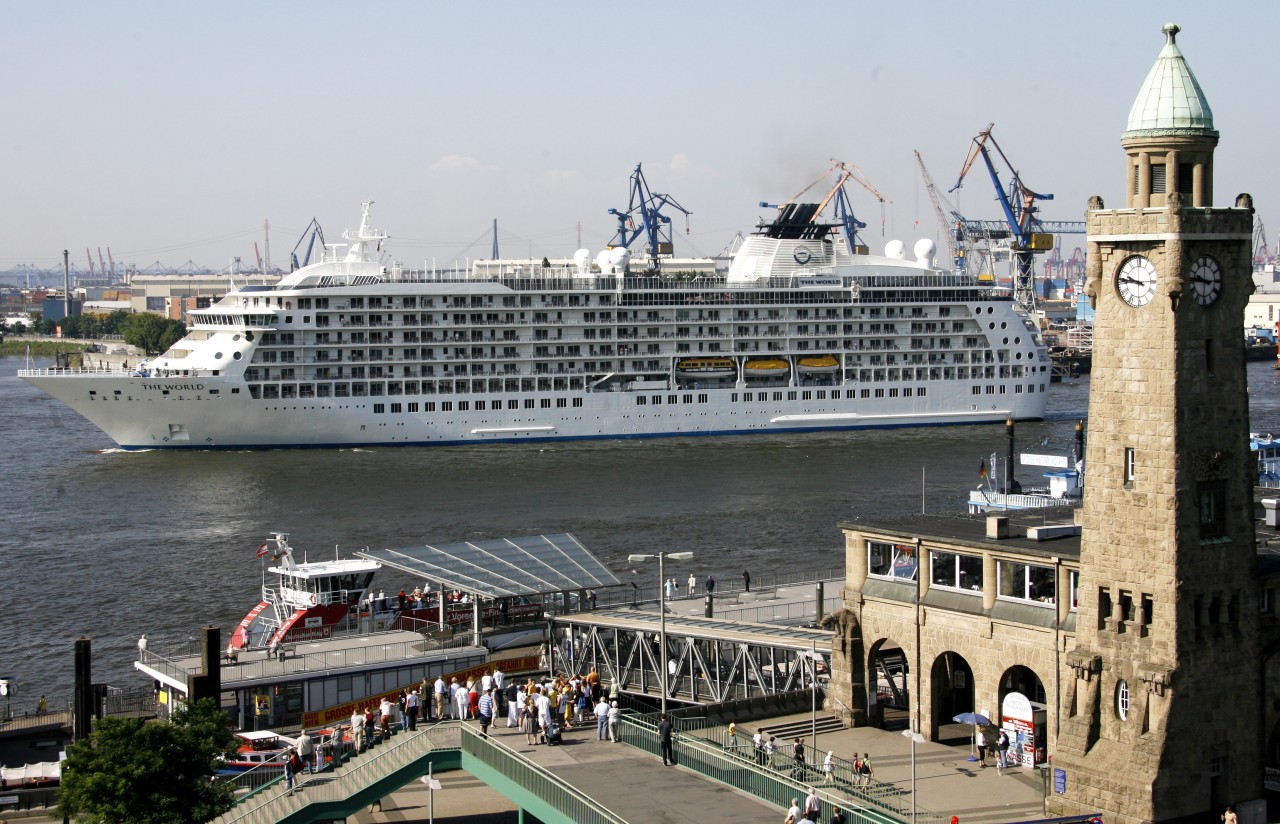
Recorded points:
1023,232
644,215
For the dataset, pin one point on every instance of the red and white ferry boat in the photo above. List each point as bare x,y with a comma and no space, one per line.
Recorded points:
313,600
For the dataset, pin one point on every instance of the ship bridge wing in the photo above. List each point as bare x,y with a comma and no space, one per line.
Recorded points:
503,567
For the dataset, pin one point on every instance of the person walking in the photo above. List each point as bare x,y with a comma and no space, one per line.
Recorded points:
828,764
385,708
770,749
614,712
868,772
812,806
357,731
411,708
602,720
793,813
292,766
693,584
306,748
486,708
797,753
664,741
440,691
837,817
1002,752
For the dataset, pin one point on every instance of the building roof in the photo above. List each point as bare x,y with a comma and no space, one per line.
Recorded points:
1171,100
503,567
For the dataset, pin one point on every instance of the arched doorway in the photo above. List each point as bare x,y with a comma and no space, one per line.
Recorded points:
1024,680
888,685
951,687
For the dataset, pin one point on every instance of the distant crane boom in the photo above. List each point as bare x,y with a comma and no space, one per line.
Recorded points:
943,223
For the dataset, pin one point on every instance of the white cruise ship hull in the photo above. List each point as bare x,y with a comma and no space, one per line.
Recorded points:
191,415
346,353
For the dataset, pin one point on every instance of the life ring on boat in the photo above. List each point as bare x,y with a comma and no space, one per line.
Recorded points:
313,599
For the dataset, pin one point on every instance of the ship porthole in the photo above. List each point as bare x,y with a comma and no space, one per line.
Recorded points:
237,356
217,356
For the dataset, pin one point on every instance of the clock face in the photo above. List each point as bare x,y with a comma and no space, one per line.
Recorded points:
1136,281
1206,280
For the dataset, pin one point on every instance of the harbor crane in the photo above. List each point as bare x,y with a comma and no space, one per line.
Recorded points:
309,235
943,223
844,215
1023,232
643,216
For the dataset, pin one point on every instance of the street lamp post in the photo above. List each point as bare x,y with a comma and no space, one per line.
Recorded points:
662,609
916,738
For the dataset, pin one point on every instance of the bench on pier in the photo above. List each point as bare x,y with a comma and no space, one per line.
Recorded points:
767,593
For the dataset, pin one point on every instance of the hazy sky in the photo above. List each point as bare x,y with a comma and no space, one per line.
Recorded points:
169,131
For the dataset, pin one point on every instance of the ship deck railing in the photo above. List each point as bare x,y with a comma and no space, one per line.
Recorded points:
59,372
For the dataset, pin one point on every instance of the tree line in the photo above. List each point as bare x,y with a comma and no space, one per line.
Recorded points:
150,333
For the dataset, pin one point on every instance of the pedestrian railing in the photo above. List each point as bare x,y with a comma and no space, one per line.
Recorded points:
273,801
739,764
549,788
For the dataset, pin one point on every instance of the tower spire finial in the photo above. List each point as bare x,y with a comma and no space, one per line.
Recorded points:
1171,31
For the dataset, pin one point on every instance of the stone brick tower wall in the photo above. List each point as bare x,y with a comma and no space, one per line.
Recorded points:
1161,707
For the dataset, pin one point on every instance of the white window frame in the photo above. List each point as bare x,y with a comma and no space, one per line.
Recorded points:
899,554
954,563
1001,570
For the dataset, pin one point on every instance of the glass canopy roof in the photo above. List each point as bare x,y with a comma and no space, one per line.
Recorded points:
503,567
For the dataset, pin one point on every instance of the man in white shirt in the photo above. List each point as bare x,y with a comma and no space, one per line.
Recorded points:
543,703
357,731
602,720
439,691
693,584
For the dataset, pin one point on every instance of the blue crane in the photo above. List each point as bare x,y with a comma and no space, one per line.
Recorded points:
310,235
644,216
1024,233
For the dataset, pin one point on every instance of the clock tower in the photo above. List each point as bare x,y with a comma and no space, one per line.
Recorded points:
1161,698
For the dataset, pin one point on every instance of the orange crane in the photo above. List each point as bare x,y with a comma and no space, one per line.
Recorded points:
943,223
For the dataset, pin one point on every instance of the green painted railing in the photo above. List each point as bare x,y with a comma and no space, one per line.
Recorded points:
554,794
779,782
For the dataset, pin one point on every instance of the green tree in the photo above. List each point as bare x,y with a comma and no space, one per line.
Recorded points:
113,324
152,333
149,772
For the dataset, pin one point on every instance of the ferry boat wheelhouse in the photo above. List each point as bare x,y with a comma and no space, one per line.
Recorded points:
348,351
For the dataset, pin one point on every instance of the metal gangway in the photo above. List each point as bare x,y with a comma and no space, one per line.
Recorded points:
707,660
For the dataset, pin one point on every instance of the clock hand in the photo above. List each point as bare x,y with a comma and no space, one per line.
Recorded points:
1130,280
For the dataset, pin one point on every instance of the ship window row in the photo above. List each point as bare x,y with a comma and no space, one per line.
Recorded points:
478,406
825,394
656,400
360,389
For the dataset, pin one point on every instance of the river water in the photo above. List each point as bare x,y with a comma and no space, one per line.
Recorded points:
110,544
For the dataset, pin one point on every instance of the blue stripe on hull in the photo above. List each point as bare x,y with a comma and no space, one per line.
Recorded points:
540,439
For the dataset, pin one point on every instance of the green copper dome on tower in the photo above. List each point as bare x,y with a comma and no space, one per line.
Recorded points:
1171,101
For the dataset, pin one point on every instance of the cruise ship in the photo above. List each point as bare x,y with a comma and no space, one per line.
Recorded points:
805,331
